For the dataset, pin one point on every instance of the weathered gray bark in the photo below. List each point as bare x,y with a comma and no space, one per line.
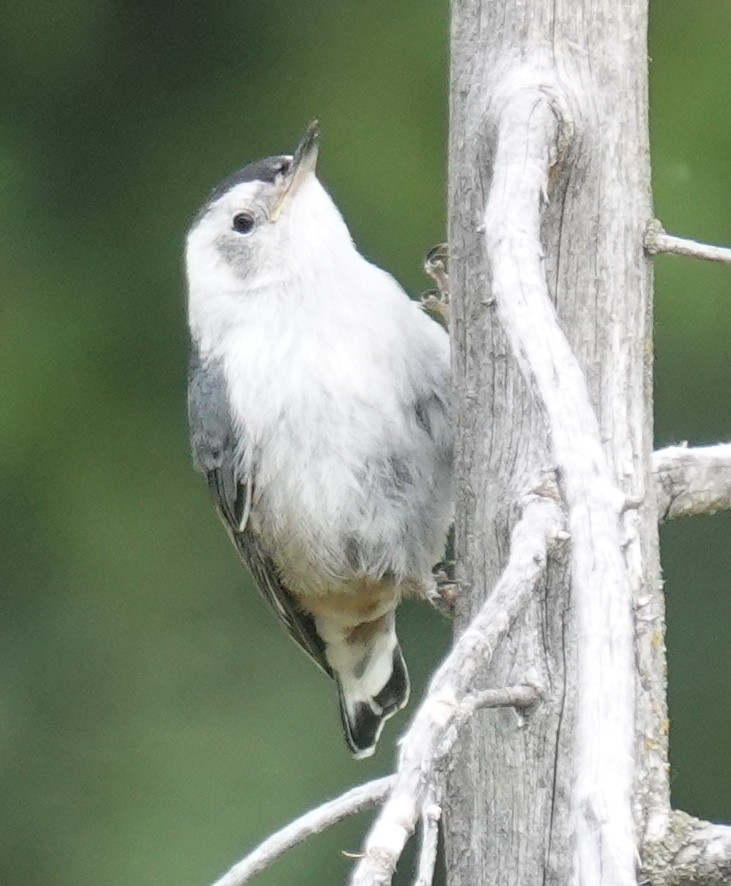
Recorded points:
515,827
691,853
541,743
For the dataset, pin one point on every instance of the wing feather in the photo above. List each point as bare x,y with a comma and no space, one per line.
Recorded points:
215,443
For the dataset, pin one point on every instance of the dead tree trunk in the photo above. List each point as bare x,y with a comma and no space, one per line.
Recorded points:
541,742
512,802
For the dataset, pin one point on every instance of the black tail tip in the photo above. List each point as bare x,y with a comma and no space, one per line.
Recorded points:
363,724
362,731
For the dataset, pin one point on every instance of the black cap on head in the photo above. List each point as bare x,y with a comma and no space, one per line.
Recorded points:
268,170
265,170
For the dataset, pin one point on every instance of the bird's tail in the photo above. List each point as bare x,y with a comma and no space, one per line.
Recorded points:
373,683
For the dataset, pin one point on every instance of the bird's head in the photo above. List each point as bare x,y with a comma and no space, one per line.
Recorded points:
270,221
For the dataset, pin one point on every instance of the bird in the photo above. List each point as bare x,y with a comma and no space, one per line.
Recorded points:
318,406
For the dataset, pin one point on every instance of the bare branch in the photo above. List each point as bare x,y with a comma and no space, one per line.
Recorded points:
433,730
529,131
355,800
363,796
657,241
429,840
692,481
690,852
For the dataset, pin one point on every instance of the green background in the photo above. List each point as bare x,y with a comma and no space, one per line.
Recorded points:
155,722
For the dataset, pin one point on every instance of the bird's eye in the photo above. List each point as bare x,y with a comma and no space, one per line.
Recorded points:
243,222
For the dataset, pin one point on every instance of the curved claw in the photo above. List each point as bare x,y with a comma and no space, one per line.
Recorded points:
436,301
443,593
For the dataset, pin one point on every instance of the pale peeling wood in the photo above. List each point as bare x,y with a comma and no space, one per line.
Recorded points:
429,839
517,829
528,127
693,480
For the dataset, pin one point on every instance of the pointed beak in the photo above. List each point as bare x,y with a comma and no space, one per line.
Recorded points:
302,167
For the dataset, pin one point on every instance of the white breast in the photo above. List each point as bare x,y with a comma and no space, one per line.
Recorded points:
322,377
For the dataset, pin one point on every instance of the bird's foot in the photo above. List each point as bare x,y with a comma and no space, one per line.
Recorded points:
436,301
443,592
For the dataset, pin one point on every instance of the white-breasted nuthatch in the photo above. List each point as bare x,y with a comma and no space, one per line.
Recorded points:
318,412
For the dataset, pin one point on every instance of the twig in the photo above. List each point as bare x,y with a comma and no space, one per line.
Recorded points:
429,839
355,800
693,480
359,798
529,125
433,730
657,241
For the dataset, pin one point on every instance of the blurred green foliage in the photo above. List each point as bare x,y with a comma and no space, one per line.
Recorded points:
154,721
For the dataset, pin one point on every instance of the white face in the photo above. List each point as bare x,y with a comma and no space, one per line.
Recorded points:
260,232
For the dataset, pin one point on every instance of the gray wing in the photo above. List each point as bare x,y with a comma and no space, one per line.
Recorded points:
214,445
